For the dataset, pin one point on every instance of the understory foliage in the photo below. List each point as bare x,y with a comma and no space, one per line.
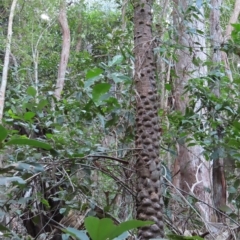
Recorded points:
68,164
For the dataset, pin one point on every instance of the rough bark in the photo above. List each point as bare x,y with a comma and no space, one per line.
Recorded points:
233,19
194,170
228,32
6,60
148,165
65,50
219,182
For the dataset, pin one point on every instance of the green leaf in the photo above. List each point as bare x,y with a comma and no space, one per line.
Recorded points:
118,77
236,26
116,60
92,76
65,236
45,203
99,229
226,209
42,104
218,106
29,142
129,225
236,124
93,73
31,91
3,228
81,235
7,180
233,143
28,116
123,236
3,133
62,210
102,229
99,90
31,167
177,237
168,87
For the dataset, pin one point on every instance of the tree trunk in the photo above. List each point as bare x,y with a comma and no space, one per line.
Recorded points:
6,60
233,19
65,50
219,182
228,32
194,170
148,165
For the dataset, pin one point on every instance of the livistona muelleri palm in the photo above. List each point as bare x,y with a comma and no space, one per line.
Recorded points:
148,164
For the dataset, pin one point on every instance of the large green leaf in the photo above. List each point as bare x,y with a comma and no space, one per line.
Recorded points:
31,91
3,133
99,229
93,73
102,229
128,225
99,90
92,76
28,115
29,142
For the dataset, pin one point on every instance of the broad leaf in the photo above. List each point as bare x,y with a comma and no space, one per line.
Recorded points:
28,116
118,78
129,225
31,91
32,167
3,228
236,26
168,87
99,229
81,235
42,104
176,237
236,124
93,73
99,90
102,229
3,133
29,142
116,60
7,180
122,236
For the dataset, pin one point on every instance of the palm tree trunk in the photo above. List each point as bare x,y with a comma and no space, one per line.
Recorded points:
148,164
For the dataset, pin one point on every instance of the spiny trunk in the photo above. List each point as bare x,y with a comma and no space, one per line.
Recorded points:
148,165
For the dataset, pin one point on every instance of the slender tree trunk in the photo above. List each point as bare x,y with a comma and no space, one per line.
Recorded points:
148,165
228,32
6,59
233,19
194,170
65,50
219,182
